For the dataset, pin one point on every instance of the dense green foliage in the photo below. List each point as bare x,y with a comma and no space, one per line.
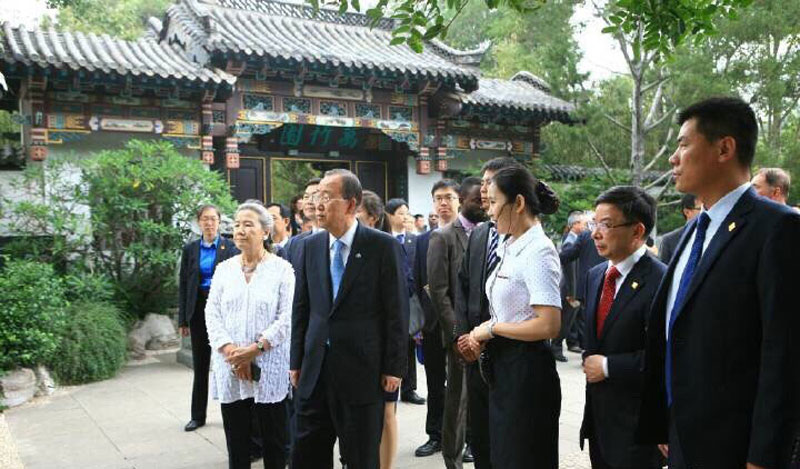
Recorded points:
121,18
122,214
92,344
32,313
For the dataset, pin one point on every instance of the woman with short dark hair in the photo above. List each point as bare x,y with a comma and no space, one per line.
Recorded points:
198,262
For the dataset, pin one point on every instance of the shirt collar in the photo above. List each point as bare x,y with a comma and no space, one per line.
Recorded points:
213,244
723,207
395,234
347,237
468,225
625,267
520,243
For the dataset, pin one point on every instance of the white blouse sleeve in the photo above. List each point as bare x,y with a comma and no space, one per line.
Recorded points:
217,335
543,277
280,329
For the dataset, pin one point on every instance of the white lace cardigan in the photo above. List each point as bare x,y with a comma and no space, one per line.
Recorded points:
240,313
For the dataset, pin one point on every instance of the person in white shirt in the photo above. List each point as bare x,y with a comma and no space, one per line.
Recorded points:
248,316
525,306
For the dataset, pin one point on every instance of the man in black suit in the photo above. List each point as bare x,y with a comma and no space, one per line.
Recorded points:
472,309
618,297
582,251
194,281
690,208
349,331
722,374
396,211
295,243
576,224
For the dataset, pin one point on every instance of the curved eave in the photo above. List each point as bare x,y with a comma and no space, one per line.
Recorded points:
540,115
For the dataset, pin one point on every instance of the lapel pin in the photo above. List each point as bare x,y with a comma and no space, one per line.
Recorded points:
358,255
222,247
732,226
635,285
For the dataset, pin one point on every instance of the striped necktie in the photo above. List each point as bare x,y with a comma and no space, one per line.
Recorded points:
492,258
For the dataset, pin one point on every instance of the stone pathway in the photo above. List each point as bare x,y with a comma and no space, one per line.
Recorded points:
136,421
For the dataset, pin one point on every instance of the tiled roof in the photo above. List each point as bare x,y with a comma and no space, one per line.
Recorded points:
79,51
288,31
524,92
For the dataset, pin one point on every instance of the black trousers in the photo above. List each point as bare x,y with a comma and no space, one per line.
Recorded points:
645,458
326,415
524,405
675,459
410,379
478,417
201,358
435,375
568,316
237,418
575,334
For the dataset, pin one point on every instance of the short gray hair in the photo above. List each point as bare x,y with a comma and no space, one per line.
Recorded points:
351,186
264,218
575,217
776,177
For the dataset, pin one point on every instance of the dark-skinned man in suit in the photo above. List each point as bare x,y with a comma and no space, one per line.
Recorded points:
349,331
472,309
722,376
445,252
690,208
618,297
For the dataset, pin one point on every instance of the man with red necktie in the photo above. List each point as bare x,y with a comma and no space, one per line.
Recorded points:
618,296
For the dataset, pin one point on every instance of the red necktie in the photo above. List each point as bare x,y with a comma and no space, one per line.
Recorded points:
606,298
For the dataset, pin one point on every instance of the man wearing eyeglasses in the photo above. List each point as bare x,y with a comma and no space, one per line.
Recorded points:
618,295
309,212
690,208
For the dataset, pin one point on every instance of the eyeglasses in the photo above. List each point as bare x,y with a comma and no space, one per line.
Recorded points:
323,198
308,197
605,226
442,198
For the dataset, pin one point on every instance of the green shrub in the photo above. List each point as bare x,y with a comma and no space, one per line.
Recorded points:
32,313
85,286
93,344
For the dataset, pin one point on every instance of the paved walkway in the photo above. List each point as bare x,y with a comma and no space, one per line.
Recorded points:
136,421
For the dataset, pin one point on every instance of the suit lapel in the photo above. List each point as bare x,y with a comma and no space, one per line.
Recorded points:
633,283
730,227
318,262
355,260
461,234
594,291
483,242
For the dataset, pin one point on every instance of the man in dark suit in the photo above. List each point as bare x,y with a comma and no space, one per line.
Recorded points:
472,309
618,297
295,243
576,224
193,286
445,252
582,251
772,183
722,374
349,331
396,211
690,208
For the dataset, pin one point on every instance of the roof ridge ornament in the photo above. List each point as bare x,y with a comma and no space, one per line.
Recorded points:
531,79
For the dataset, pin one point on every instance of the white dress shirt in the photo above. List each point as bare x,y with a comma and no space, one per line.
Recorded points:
717,214
528,275
624,268
347,241
240,313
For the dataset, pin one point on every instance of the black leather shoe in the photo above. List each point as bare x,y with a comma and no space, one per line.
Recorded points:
193,425
429,448
560,357
412,398
467,454
575,349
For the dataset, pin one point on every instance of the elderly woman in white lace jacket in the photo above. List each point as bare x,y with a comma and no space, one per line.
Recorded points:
248,317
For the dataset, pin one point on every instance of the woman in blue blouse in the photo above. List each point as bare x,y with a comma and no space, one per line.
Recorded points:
198,262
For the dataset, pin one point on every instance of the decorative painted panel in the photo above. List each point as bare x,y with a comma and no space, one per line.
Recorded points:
177,103
145,112
336,93
66,121
300,105
404,99
182,115
109,110
126,125
400,113
332,108
258,102
183,127
218,117
68,108
368,111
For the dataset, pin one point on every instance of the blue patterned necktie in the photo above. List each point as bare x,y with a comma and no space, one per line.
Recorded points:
337,267
686,279
491,257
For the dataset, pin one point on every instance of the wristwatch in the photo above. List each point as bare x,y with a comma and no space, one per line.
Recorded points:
260,346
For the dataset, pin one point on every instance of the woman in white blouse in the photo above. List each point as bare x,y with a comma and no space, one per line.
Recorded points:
525,305
248,316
